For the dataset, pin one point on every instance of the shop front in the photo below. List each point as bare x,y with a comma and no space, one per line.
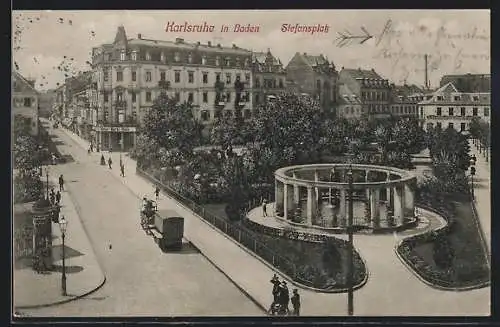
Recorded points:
115,138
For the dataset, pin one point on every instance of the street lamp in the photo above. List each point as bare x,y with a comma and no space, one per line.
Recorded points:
47,169
63,224
472,173
350,252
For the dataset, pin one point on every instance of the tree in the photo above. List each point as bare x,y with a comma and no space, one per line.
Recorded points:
236,186
451,148
225,132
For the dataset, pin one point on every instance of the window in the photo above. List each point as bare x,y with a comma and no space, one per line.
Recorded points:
162,57
217,77
281,83
257,99
450,125
148,77
462,111
177,76
238,76
450,111
107,57
205,77
177,57
134,76
475,98
228,62
363,95
440,98
462,127
438,111
378,96
134,55
203,60
486,112
190,58
27,102
119,96
228,78
205,97
134,97
228,96
457,98
106,97
190,97
190,77
148,56
474,111
247,62
177,96
205,115
119,76
122,55
257,82
106,74
438,125
148,96
217,61
247,77
163,75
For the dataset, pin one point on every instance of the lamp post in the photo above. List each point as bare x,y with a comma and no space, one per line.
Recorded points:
350,254
472,173
63,224
47,175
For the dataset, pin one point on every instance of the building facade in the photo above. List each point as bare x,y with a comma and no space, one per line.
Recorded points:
450,107
315,76
130,73
370,88
268,76
25,100
404,100
349,105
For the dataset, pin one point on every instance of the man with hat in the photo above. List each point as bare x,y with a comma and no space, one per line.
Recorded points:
276,289
284,298
296,302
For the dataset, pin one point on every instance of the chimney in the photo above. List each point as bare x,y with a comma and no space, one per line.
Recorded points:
139,36
209,43
234,46
218,45
305,53
179,40
425,70
198,43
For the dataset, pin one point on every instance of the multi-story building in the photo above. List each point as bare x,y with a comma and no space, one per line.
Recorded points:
349,105
59,103
470,83
404,100
371,89
77,102
268,76
25,100
450,106
316,76
131,73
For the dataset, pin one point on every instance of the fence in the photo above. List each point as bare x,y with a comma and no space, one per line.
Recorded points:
237,233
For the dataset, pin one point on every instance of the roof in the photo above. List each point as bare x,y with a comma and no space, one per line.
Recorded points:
361,73
260,57
469,82
188,46
347,97
314,60
25,84
450,94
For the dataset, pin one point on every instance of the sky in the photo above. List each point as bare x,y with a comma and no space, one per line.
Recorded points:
456,41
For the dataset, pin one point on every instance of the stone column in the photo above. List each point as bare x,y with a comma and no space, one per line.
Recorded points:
374,207
409,199
342,211
278,197
285,201
296,192
316,189
388,189
366,181
398,206
290,200
311,205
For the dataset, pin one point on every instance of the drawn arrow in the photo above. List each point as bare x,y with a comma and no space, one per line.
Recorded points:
346,37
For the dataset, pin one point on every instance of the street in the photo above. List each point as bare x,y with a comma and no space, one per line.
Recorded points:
141,280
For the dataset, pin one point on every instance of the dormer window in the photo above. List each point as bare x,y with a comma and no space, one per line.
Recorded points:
217,61
440,98
122,55
204,60
177,57
162,57
148,56
190,58
475,98
457,98
134,55
228,62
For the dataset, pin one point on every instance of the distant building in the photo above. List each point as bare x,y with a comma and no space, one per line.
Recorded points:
349,105
370,88
131,72
46,100
469,83
316,76
78,111
59,104
269,76
405,99
449,106
25,100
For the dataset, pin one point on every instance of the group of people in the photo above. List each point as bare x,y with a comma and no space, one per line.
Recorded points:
110,164
55,197
281,299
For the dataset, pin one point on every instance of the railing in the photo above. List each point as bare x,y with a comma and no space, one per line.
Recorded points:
242,236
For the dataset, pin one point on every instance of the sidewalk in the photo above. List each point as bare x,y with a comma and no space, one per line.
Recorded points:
252,275
83,273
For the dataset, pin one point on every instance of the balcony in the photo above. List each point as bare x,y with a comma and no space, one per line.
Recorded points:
463,118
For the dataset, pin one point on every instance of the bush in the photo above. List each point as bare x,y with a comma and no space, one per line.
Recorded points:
27,189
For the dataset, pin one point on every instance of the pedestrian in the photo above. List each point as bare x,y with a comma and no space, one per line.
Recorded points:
91,147
122,170
52,197
296,302
276,290
58,197
157,193
264,208
103,161
284,298
110,162
61,183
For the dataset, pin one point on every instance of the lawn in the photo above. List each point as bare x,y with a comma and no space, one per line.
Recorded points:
467,264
